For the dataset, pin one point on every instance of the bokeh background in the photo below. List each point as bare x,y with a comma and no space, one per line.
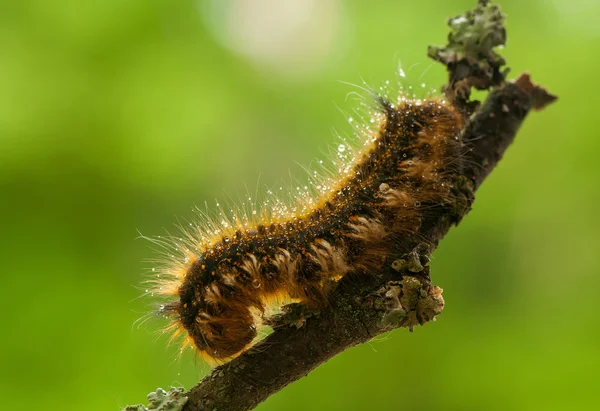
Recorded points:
119,116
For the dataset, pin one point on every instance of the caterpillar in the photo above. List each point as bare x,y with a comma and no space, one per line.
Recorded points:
218,292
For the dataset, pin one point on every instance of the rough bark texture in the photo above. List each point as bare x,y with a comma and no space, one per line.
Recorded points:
362,308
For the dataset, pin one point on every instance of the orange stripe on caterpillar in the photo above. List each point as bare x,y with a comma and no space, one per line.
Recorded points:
228,276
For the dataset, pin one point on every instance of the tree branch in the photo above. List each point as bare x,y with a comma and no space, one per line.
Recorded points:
402,295
362,310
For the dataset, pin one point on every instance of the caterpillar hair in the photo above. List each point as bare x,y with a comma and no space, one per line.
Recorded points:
230,272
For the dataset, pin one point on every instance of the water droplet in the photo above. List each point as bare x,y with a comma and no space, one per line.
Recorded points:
341,148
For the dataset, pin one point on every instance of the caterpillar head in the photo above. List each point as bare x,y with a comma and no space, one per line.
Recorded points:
218,321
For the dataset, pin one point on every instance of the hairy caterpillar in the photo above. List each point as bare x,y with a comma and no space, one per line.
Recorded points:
230,273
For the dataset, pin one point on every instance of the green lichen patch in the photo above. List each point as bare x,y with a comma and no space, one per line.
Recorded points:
469,55
161,400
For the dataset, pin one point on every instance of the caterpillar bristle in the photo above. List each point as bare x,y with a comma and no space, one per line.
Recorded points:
228,271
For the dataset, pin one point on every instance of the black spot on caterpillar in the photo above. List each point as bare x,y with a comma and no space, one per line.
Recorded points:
229,274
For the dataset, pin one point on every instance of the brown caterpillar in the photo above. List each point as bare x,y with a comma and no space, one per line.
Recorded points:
230,273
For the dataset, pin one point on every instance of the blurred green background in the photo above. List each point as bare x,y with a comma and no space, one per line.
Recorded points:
121,115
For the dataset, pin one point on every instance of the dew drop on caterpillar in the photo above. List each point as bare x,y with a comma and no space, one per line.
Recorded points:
230,271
